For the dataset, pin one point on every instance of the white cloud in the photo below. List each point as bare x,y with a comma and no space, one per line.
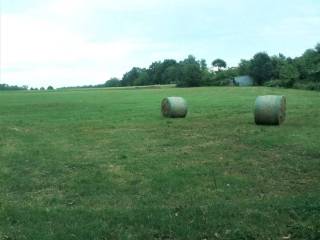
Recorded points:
292,35
48,51
294,27
39,47
80,8
57,76
76,42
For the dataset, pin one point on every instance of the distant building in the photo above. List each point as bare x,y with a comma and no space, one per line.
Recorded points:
242,81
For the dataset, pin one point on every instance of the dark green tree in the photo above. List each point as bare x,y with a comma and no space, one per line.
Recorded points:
277,63
219,63
129,78
112,82
157,71
288,74
244,67
165,75
172,74
307,64
318,47
203,65
261,68
206,76
142,78
190,73
190,60
4,86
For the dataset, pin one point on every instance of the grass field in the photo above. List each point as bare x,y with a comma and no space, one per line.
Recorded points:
104,164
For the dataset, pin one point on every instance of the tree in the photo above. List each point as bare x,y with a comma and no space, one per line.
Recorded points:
206,76
261,68
244,67
190,60
154,71
190,73
289,74
4,86
223,78
142,79
308,64
203,65
219,63
49,88
157,71
129,77
165,75
277,63
112,82
190,76
318,47
172,74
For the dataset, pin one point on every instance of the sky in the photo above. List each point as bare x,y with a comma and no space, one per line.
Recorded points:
83,42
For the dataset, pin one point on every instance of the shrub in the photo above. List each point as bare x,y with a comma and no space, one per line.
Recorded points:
308,86
273,83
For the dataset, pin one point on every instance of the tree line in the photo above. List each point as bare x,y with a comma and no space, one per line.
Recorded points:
4,86
189,72
274,71
279,71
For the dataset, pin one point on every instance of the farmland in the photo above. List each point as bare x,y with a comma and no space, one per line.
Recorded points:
104,164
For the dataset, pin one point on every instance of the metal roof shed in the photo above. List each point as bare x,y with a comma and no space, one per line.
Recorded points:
243,81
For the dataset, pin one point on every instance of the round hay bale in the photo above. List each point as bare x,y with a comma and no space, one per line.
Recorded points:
174,107
270,110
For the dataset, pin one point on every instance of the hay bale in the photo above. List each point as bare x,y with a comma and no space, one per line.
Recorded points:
270,110
174,107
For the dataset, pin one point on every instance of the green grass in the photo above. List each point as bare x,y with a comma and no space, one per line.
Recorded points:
104,164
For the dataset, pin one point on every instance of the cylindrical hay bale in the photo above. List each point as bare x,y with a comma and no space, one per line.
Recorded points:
270,110
174,107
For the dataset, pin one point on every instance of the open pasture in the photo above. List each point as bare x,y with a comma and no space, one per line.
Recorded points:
104,164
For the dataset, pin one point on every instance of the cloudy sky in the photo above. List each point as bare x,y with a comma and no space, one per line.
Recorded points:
78,42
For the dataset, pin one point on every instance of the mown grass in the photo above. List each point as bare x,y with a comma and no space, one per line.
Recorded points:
104,164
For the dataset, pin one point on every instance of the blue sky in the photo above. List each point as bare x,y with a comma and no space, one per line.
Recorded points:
78,42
